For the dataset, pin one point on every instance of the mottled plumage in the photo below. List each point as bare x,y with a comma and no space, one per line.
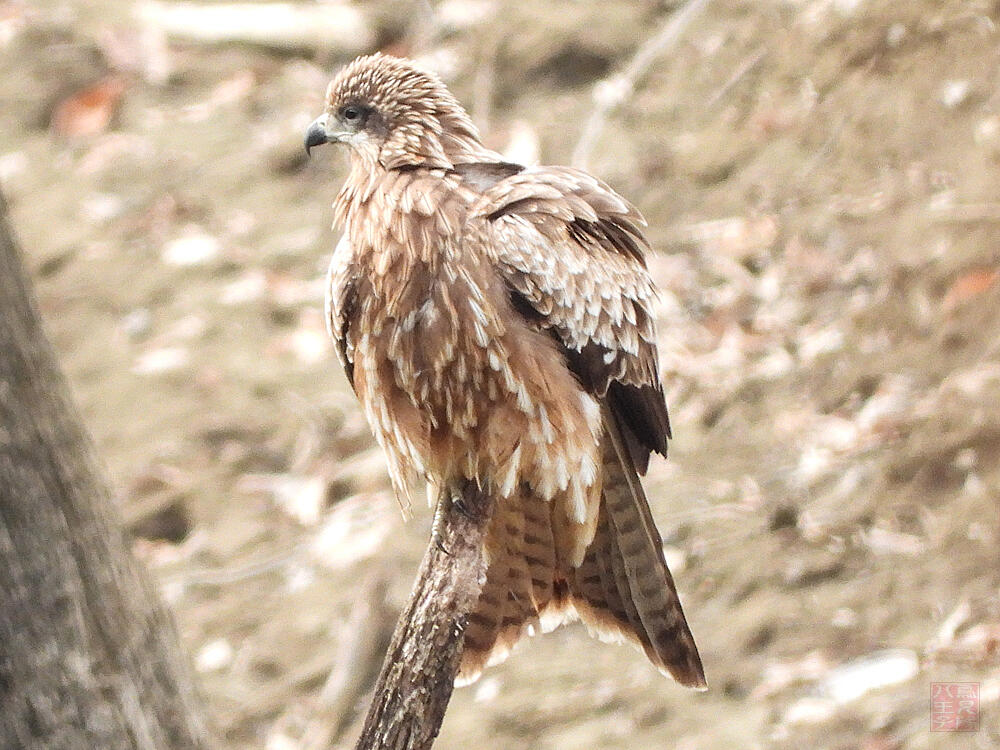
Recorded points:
495,322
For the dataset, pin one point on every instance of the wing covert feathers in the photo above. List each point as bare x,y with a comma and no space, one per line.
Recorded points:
570,251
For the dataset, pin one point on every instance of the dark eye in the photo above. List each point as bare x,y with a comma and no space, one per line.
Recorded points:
352,114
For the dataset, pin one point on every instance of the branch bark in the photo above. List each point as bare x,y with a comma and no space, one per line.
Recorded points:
88,656
418,675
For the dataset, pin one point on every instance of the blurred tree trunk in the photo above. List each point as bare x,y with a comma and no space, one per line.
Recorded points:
89,658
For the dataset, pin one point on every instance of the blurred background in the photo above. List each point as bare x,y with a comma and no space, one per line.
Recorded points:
822,183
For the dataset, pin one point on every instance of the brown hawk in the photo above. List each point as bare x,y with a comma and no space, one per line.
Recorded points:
495,322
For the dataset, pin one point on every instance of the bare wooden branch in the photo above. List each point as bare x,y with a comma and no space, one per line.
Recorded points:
615,91
418,676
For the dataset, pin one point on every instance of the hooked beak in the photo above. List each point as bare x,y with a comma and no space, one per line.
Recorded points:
316,135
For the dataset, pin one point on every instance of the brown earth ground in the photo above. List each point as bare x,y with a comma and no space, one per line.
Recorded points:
822,183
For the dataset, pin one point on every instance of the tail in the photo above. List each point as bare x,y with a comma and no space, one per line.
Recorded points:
521,595
623,590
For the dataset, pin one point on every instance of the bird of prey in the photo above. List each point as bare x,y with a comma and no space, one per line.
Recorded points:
495,321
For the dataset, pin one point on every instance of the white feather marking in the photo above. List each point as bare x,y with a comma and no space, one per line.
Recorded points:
513,471
561,471
629,308
578,505
546,488
498,654
588,471
591,412
594,304
630,342
477,310
548,434
557,614
511,382
523,399
482,338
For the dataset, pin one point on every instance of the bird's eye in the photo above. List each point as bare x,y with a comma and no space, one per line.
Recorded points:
350,114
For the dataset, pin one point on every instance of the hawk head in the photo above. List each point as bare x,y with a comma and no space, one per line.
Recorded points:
393,114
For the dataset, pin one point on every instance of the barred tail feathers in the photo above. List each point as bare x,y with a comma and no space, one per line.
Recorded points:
622,590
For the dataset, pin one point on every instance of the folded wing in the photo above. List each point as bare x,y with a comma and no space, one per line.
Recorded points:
571,253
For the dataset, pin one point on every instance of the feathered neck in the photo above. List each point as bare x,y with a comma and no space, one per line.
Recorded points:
426,150
440,139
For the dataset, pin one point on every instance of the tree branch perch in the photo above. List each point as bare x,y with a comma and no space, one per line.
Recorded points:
418,675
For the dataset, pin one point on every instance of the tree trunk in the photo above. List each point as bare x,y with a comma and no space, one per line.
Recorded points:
89,658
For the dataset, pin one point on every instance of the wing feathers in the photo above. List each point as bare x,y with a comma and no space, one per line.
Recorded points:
570,250
342,299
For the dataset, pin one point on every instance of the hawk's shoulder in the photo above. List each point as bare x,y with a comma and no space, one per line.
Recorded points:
560,199
482,176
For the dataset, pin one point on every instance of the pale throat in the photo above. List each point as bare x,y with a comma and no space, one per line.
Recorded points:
389,238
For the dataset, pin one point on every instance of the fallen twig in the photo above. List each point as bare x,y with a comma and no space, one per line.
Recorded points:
279,25
742,69
966,213
354,664
611,93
